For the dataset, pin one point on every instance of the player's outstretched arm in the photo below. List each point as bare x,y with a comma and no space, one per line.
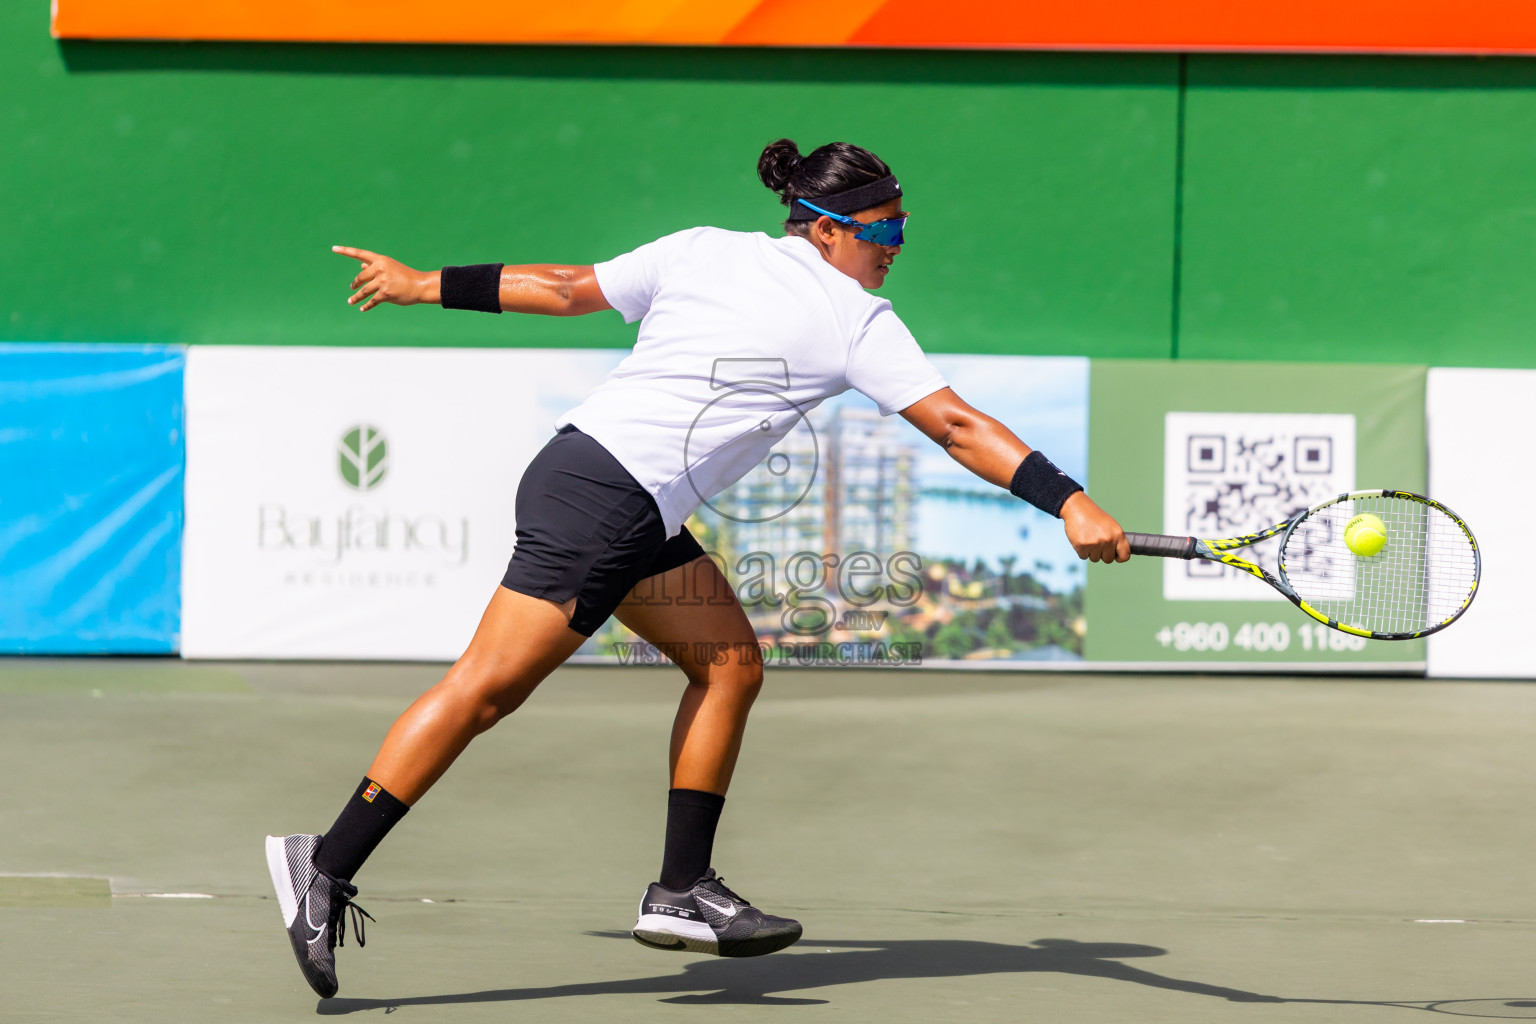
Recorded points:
547,288
993,452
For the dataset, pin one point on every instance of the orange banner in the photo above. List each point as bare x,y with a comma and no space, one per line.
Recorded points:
1421,26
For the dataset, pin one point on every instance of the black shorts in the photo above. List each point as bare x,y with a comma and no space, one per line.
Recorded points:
586,529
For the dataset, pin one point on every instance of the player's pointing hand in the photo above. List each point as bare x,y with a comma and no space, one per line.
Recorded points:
382,279
1094,534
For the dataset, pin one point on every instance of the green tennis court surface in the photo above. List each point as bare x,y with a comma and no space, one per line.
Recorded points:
960,847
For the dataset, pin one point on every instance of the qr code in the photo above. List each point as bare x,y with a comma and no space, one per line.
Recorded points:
1231,473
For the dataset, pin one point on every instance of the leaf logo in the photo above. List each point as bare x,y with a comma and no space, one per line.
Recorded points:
363,457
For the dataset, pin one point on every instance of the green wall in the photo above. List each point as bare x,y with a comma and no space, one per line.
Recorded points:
1135,206
1354,208
191,193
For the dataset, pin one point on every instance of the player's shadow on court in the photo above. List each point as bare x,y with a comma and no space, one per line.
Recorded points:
756,981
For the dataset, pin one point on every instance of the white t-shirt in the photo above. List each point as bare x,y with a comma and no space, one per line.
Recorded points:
740,336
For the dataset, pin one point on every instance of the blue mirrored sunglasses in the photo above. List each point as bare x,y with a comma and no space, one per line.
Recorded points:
881,232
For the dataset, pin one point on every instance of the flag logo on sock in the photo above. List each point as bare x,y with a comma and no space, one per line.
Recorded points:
372,791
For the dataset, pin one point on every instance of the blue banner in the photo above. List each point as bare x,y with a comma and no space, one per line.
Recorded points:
92,456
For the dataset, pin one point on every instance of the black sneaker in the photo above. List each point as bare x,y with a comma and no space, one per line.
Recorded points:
709,918
314,906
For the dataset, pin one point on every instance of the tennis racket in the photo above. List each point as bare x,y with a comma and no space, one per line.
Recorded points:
1421,581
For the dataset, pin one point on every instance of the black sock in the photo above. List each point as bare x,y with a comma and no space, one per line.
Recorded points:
361,826
691,819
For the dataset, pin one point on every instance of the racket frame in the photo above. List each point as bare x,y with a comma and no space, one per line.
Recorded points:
1220,551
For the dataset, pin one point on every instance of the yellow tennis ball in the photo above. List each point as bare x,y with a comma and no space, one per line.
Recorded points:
1365,534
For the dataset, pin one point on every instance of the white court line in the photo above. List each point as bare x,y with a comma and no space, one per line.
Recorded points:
164,895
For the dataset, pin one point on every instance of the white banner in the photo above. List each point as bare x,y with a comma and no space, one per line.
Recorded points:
358,503
1482,465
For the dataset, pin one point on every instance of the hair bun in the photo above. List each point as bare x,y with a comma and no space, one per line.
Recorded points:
778,164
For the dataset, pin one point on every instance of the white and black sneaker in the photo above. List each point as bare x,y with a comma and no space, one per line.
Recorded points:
314,907
709,918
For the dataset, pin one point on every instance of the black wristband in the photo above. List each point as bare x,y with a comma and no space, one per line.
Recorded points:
1039,482
475,287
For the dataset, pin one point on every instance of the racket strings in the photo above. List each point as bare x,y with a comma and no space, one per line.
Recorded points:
1422,576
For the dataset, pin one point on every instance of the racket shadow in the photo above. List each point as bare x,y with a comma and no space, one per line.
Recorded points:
1504,1009
760,980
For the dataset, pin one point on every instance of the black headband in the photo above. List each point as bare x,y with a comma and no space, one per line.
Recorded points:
882,190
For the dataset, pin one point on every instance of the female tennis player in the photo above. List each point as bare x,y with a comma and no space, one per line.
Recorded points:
602,506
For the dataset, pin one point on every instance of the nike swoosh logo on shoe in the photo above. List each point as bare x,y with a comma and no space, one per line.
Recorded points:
318,929
729,910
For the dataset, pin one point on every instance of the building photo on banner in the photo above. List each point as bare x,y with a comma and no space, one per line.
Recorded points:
858,541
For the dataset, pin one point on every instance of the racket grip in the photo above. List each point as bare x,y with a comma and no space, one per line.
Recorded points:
1161,545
